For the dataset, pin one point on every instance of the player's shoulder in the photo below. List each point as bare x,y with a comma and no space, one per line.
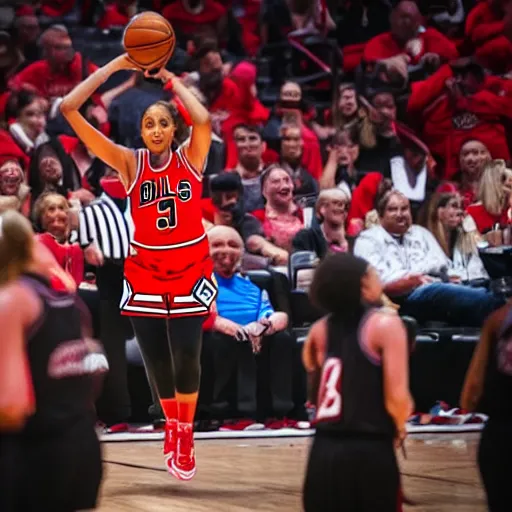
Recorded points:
319,328
384,317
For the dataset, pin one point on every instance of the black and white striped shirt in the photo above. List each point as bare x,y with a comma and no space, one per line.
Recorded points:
104,223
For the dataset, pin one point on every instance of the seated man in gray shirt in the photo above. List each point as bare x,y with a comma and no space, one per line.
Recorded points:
410,263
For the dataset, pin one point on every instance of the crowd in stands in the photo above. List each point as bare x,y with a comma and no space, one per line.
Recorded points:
381,127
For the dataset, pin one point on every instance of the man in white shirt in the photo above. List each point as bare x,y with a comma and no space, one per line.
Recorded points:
409,259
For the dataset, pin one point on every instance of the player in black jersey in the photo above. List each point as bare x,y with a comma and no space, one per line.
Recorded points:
356,357
49,453
488,389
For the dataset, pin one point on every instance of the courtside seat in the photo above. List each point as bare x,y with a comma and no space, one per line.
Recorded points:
300,260
439,363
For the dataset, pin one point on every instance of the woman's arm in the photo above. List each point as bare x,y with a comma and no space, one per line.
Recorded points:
118,157
201,137
387,336
474,381
18,310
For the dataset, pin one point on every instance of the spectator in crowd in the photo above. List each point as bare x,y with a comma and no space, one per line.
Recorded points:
250,149
226,206
246,324
410,173
409,259
117,14
329,234
189,16
486,29
350,110
292,108
292,147
51,216
10,61
473,158
457,235
340,170
408,37
457,103
61,69
360,22
491,213
14,193
281,218
57,8
26,32
26,112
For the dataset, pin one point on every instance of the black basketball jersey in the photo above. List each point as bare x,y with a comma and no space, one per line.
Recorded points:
61,362
351,392
497,394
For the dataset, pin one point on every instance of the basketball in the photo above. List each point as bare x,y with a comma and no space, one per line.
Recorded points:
149,40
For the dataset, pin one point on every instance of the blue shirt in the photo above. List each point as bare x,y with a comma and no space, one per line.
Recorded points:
241,301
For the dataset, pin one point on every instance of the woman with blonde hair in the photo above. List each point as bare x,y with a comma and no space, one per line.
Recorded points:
491,213
457,235
49,453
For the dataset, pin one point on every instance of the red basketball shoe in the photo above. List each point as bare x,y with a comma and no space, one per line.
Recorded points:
183,464
170,441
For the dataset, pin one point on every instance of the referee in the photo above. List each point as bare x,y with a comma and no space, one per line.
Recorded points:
106,222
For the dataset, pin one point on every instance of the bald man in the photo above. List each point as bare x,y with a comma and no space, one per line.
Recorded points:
246,324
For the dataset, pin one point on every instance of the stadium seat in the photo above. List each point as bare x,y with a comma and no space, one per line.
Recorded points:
300,260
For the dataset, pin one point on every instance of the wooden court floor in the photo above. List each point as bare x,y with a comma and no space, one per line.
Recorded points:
266,475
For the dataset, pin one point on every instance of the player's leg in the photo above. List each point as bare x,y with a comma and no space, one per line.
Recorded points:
186,340
378,478
495,464
329,483
152,336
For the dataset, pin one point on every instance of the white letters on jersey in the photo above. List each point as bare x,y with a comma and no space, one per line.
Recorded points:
329,393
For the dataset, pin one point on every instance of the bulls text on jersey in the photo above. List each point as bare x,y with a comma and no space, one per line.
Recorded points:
158,191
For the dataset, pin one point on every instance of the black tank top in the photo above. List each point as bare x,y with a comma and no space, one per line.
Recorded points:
351,392
60,363
496,399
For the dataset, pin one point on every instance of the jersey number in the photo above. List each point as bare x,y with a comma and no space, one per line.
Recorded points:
167,206
329,392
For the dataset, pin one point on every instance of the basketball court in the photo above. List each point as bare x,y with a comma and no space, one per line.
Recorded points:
265,474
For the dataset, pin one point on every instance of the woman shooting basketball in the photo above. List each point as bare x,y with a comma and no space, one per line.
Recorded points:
168,287
49,451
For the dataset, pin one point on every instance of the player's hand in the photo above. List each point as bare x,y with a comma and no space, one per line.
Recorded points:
125,62
162,75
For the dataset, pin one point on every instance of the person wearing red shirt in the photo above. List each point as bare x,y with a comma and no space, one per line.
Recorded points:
456,103
57,8
190,16
408,37
117,14
485,27
492,212
61,69
473,158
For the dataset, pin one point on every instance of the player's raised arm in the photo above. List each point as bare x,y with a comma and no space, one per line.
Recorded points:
118,157
201,136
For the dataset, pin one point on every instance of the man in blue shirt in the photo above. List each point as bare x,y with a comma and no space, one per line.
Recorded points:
247,334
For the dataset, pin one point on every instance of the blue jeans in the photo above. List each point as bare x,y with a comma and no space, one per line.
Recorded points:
452,303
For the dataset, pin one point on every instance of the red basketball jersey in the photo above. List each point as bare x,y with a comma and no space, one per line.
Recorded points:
165,204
